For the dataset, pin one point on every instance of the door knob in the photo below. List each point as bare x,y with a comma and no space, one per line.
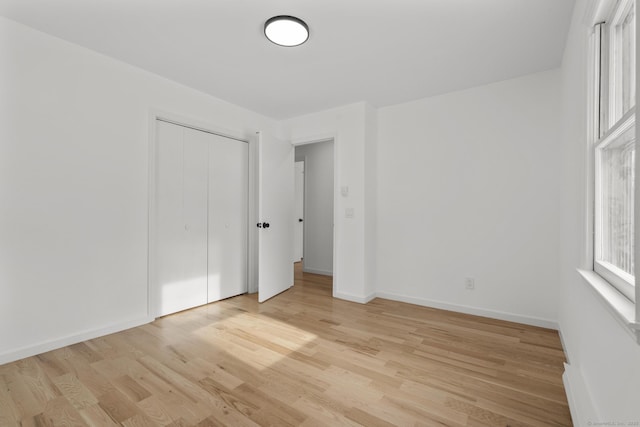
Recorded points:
300,220
263,225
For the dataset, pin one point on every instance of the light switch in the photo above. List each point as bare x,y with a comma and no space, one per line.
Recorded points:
348,213
344,190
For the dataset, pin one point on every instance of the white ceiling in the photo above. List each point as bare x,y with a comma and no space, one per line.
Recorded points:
383,52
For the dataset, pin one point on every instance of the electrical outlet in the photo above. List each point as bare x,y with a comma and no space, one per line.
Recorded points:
470,283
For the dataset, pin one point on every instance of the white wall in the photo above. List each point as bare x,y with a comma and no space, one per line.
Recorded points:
468,187
371,201
347,125
318,209
604,371
73,187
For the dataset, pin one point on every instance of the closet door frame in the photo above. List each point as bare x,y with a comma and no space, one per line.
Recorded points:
248,137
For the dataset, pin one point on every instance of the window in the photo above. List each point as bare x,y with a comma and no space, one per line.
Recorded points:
615,148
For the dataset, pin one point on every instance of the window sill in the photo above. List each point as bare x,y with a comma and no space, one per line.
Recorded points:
618,305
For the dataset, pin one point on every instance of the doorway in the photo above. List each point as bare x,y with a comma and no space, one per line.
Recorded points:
315,165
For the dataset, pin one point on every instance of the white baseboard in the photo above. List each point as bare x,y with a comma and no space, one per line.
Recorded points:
316,271
580,405
54,344
354,298
493,314
564,346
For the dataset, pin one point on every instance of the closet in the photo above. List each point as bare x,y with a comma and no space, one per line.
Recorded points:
201,214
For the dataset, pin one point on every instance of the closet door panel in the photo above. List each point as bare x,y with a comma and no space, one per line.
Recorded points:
169,223
228,217
195,207
181,219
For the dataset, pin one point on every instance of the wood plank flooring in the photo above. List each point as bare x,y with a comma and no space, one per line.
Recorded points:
302,358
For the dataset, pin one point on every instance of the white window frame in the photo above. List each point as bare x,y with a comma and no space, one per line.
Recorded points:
619,298
621,280
616,18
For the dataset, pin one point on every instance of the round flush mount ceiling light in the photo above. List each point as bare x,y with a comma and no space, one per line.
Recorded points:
286,30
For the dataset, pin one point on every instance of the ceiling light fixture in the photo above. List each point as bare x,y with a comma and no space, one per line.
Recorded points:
286,30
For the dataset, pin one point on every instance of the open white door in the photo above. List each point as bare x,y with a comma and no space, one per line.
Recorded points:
275,216
298,218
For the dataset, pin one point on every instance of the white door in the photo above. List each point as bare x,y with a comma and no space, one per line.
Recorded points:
228,221
275,216
181,218
298,219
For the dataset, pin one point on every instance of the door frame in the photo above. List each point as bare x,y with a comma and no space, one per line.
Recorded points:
205,126
327,138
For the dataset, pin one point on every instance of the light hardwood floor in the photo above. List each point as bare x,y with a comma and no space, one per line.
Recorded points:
302,358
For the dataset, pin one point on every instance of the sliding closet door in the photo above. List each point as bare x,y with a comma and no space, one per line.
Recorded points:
228,217
181,218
